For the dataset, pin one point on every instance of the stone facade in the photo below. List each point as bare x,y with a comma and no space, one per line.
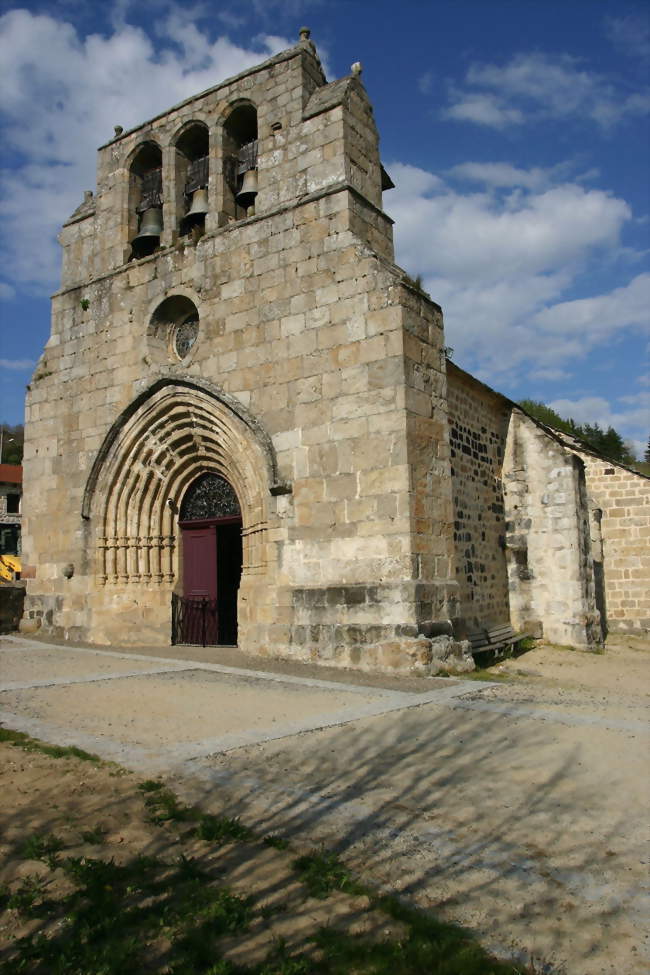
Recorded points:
279,347
620,531
550,563
478,427
11,478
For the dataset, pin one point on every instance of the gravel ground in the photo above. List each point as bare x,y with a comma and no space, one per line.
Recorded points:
519,809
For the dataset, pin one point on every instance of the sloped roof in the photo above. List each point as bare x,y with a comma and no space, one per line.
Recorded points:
11,474
327,97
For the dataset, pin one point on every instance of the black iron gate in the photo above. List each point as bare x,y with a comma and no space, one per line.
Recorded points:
195,621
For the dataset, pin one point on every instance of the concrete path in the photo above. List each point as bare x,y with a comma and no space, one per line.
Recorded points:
193,708
518,809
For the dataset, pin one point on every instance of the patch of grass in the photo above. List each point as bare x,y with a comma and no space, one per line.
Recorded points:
221,829
28,897
482,674
12,737
164,807
94,836
443,952
267,911
524,645
151,785
115,910
29,744
42,846
277,842
322,872
280,961
190,869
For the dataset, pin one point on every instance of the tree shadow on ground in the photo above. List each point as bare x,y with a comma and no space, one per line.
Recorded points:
437,804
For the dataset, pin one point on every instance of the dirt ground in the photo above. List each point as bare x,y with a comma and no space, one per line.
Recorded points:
518,808
95,811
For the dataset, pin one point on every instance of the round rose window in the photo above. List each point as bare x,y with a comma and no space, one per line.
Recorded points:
185,335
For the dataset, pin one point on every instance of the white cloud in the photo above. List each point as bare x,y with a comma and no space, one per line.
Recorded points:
501,174
632,420
602,314
484,109
534,86
425,83
586,409
482,236
6,291
501,260
73,90
550,375
630,34
16,364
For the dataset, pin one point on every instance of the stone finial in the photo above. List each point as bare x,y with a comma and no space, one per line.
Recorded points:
356,68
88,195
305,33
118,130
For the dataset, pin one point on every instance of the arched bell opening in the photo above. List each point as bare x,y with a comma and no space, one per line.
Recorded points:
192,178
210,563
240,162
145,200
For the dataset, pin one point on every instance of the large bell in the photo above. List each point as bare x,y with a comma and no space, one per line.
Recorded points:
151,224
199,206
246,196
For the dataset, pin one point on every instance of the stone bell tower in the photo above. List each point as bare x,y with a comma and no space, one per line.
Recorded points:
234,348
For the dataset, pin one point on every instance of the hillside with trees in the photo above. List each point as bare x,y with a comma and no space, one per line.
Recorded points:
609,443
12,439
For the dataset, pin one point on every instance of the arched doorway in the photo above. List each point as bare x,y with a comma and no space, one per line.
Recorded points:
211,527
174,432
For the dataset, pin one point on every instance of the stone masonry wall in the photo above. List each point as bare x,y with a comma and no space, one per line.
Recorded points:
478,426
548,544
623,498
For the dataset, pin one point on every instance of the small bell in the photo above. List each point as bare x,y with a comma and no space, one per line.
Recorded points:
199,206
151,224
246,195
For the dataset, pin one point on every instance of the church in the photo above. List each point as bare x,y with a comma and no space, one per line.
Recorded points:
245,429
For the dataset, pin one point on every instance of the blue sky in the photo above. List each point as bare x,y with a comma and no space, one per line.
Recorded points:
516,132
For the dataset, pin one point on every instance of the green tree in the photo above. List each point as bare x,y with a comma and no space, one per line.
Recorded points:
12,443
546,415
608,442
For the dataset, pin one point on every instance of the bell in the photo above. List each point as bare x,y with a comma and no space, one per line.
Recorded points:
246,196
151,224
199,206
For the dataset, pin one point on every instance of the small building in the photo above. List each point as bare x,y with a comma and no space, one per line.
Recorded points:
11,485
244,427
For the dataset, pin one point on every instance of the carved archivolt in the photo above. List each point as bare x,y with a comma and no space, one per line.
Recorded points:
144,468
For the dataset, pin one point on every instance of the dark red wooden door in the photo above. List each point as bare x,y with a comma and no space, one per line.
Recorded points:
200,562
212,566
200,615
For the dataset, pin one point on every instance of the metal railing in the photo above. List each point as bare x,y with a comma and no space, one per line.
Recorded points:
195,621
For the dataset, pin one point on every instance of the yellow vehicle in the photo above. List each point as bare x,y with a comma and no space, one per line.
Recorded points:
10,568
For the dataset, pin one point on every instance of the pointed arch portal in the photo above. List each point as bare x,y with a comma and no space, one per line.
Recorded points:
176,440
